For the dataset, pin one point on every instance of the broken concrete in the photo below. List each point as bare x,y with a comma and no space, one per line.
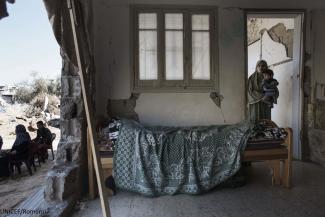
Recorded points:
71,108
60,183
63,146
124,108
281,34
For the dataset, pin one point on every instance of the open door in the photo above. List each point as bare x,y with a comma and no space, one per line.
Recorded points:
278,39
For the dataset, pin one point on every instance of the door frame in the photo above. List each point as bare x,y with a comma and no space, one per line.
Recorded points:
303,14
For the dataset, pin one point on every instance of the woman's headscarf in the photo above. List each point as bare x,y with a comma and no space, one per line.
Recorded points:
255,82
21,135
259,62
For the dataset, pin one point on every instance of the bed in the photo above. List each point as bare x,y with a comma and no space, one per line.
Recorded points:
157,161
168,160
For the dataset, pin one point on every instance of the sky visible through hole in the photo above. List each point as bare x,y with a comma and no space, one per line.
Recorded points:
27,44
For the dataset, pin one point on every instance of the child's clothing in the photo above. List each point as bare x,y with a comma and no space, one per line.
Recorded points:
271,91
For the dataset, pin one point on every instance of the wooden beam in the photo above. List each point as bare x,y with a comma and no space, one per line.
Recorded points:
287,173
89,116
91,174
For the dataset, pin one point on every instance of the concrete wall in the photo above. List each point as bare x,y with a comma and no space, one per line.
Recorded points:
282,111
273,52
112,50
319,45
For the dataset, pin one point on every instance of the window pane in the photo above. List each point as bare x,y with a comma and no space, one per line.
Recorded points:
200,55
174,21
148,55
200,22
147,21
174,55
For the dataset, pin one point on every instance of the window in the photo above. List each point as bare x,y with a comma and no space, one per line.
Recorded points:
175,49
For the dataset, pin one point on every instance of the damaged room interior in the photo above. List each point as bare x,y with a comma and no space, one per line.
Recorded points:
174,109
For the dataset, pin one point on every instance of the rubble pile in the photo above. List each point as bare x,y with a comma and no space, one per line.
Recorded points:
11,115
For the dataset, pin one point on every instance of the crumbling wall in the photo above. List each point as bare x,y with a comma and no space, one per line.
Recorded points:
124,108
65,182
316,132
314,77
281,32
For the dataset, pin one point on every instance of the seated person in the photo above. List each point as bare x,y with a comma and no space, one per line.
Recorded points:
270,89
43,138
3,162
19,149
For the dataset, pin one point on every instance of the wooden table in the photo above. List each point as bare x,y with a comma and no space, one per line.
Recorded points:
274,158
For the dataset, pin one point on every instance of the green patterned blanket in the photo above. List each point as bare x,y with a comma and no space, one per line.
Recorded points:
169,160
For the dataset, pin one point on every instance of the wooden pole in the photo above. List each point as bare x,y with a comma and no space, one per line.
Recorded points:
91,177
89,116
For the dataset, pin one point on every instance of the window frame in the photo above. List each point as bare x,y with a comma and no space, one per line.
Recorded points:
161,84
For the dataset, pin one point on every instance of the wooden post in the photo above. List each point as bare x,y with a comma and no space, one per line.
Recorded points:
91,175
89,116
275,167
287,172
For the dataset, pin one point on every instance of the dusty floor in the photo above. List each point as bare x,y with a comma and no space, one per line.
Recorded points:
14,191
256,199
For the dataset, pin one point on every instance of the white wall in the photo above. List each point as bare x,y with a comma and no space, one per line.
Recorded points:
112,54
282,111
273,52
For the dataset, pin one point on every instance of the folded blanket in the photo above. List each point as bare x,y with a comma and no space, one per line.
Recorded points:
168,160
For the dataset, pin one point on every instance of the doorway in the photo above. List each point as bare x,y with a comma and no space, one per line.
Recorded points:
277,37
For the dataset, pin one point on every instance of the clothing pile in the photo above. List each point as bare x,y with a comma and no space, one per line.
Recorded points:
108,136
266,137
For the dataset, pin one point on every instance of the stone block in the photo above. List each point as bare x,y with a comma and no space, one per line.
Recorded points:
69,69
75,147
71,86
72,128
61,182
68,108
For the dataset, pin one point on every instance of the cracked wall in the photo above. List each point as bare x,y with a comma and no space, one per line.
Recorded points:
67,181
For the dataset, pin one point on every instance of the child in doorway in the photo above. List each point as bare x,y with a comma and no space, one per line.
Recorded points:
270,89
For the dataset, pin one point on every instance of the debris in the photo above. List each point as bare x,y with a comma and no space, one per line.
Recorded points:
54,122
21,118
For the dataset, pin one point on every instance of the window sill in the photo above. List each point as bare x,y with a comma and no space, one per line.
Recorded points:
175,90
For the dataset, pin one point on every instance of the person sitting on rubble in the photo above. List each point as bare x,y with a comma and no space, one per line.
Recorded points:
43,138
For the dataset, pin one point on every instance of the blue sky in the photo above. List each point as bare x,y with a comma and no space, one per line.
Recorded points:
27,43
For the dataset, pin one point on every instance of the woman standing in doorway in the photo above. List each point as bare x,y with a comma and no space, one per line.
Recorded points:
258,108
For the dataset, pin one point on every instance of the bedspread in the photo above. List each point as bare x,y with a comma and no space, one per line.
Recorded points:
156,161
